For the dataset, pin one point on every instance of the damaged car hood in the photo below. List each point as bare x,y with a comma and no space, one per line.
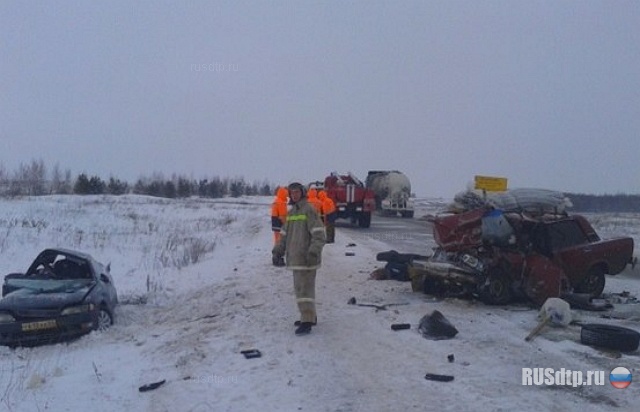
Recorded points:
54,296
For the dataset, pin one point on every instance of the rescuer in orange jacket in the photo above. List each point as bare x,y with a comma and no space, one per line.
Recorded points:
329,215
278,218
312,198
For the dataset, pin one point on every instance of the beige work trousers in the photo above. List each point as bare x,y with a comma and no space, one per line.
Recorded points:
304,284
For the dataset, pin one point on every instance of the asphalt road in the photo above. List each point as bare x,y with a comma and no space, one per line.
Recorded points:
405,235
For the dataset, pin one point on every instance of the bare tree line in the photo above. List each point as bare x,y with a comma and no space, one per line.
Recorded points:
621,203
35,179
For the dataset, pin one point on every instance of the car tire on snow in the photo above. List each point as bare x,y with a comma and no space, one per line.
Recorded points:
432,287
610,337
593,283
105,320
497,289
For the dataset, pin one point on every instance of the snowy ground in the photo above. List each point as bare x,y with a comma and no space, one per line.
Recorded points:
197,287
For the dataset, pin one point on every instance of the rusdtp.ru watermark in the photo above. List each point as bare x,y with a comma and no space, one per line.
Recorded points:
562,377
619,377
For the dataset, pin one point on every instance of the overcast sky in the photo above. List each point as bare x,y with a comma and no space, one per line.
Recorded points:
544,93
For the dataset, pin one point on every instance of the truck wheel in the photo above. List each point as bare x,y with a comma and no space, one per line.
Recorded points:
497,289
364,220
610,337
593,284
408,214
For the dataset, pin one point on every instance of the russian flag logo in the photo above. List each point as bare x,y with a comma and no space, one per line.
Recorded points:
620,377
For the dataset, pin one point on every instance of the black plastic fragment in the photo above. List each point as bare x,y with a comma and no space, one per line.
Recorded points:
401,326
436,327
251,353
438,378
151,386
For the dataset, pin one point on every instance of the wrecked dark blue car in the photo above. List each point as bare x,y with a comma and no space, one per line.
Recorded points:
64,294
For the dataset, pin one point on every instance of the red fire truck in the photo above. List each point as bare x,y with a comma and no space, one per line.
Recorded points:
352,199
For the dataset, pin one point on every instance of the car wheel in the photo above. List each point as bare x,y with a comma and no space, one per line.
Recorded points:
105,320
593,284
431,287
610,337
497,289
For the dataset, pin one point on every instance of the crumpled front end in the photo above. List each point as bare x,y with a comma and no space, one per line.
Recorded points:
26,327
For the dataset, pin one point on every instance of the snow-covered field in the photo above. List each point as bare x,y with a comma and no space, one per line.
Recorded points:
197,287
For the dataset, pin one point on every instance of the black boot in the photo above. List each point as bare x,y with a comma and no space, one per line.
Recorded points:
298,322
304,328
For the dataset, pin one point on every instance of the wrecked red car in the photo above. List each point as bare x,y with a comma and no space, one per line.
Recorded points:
499,256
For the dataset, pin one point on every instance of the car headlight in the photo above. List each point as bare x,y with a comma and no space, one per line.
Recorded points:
74,310
6,318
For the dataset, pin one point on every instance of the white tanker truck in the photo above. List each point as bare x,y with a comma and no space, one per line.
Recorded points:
392,190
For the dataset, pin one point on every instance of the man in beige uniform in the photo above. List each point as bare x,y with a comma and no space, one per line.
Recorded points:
301,242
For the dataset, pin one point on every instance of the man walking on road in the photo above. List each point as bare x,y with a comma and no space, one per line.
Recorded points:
303,237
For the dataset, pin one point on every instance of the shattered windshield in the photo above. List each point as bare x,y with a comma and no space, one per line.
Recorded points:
48,285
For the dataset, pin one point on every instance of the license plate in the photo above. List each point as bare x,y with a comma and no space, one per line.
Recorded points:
45,324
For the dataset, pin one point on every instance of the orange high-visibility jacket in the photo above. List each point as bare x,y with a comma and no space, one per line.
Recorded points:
312,197
279,209
328,207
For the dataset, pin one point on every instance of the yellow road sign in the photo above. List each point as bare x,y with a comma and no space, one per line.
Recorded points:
491,183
